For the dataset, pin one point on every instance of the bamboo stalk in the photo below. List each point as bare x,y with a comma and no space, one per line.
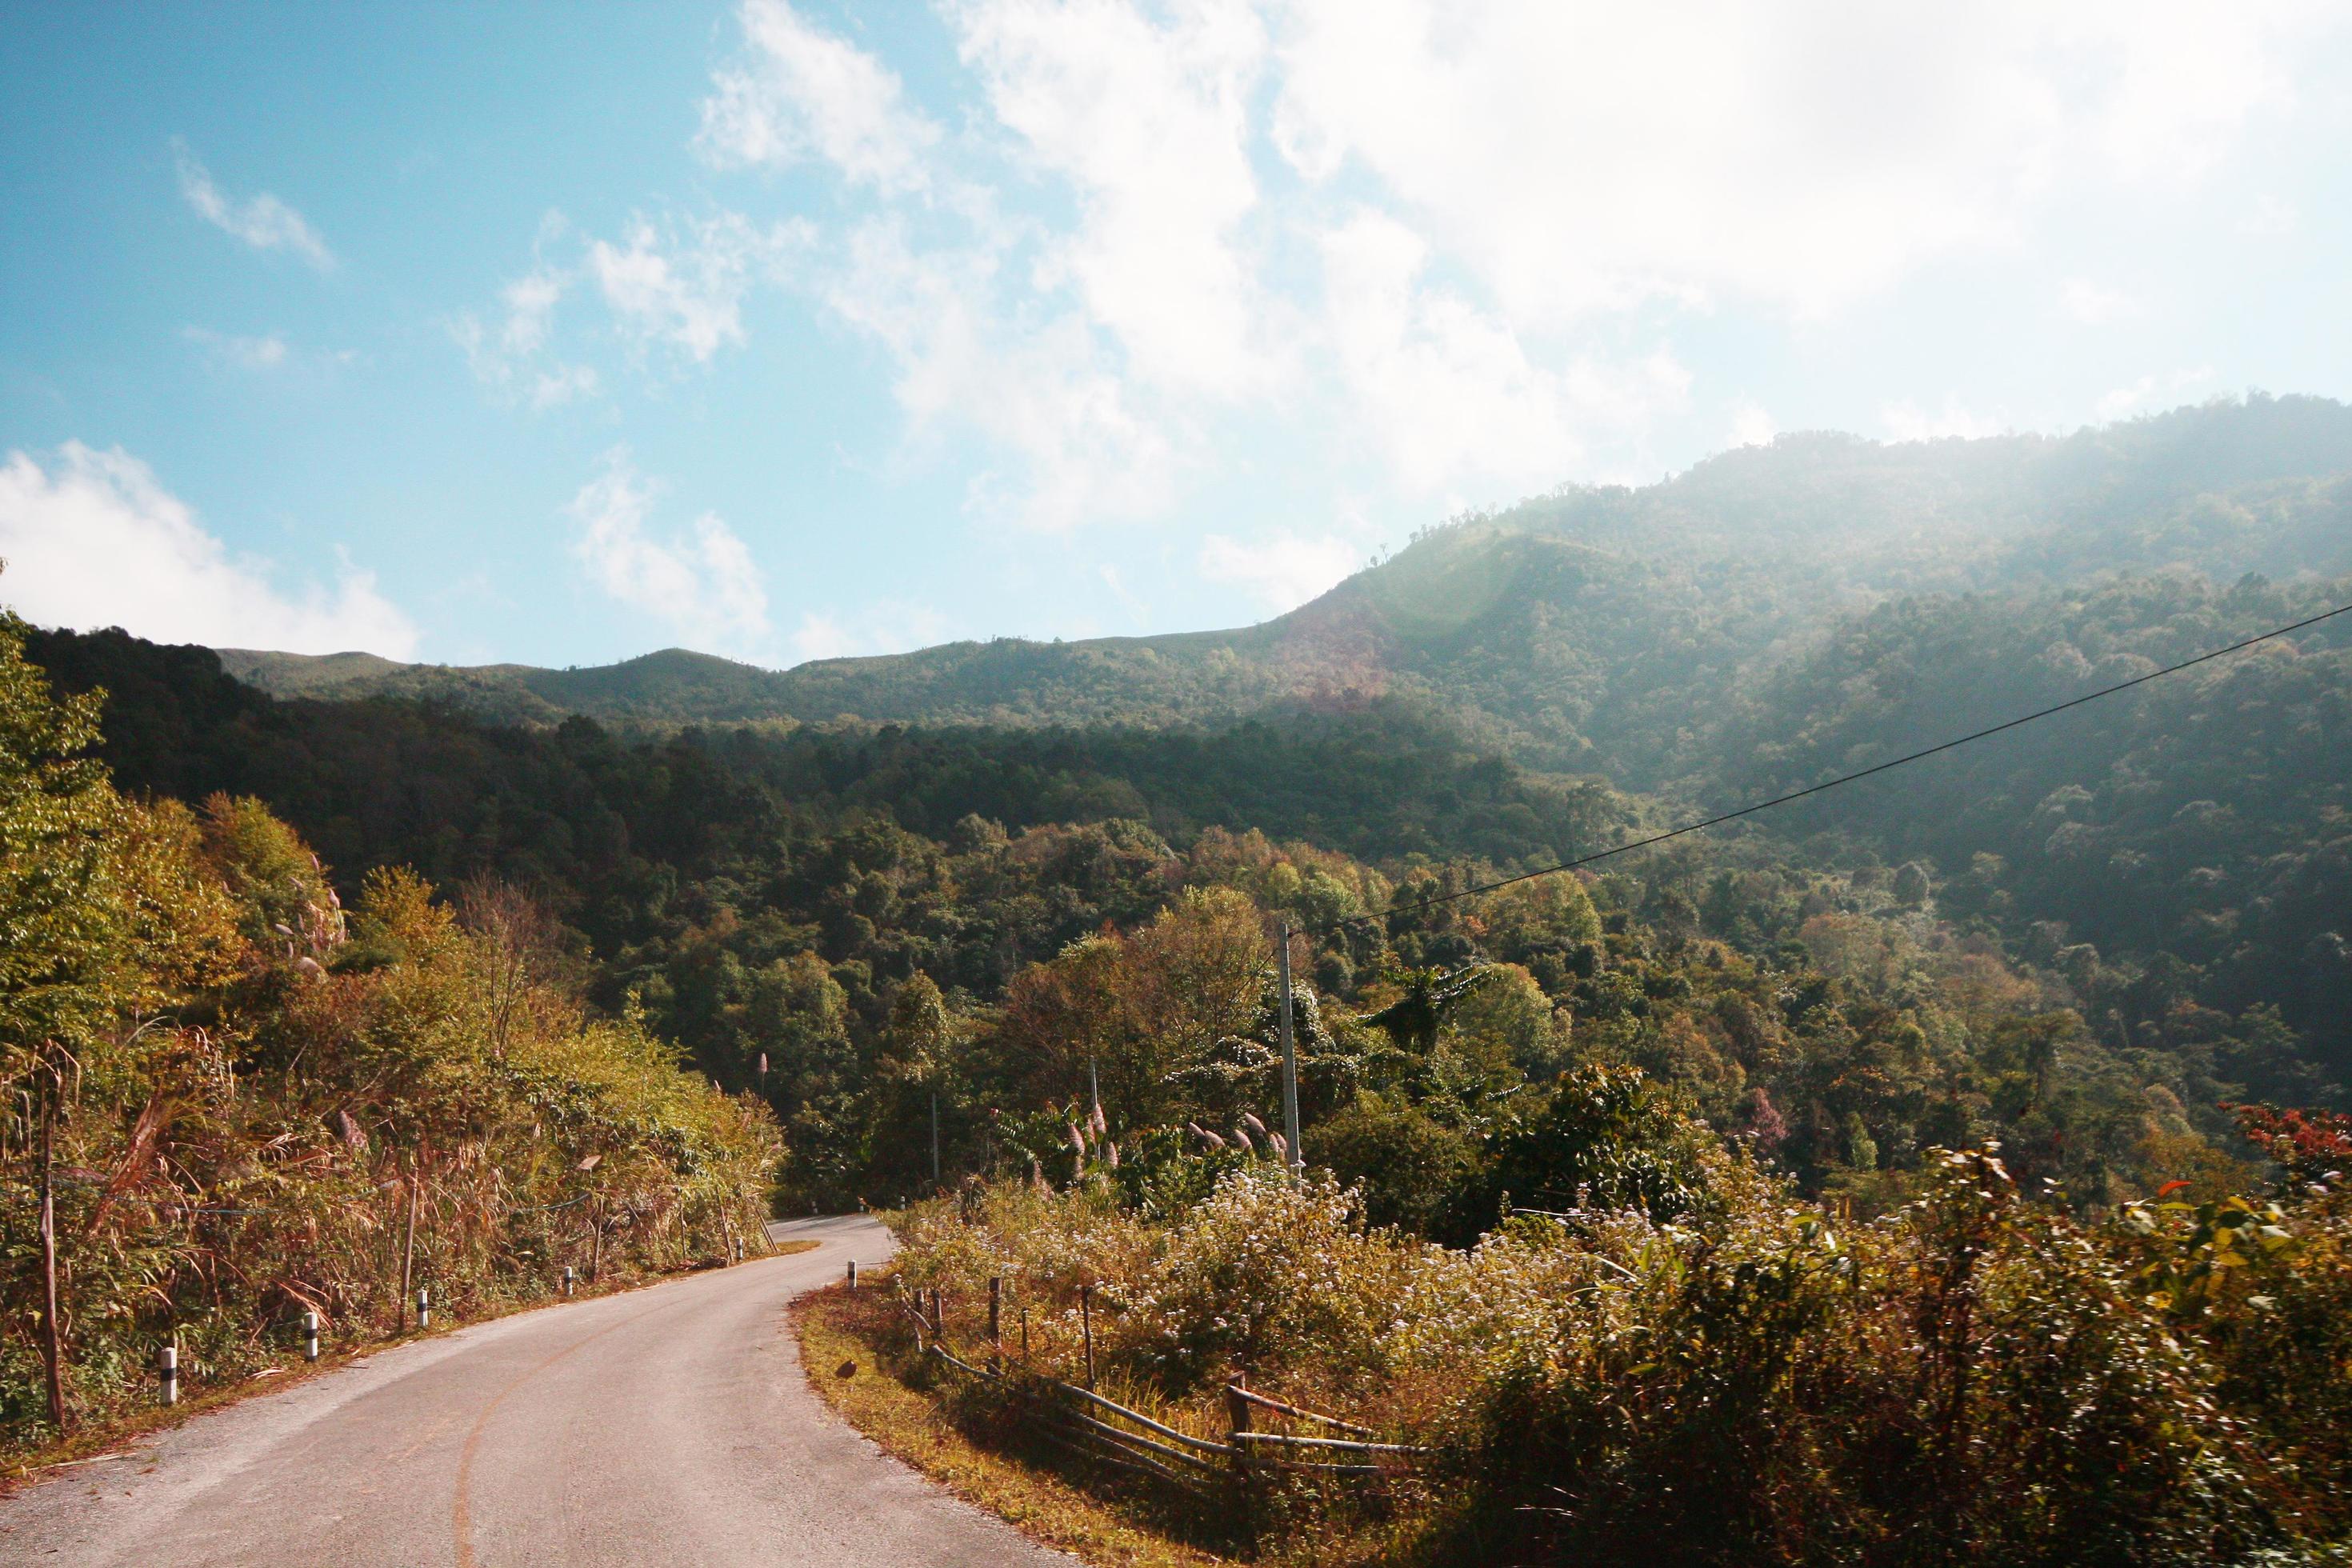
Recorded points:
1347,1444
1292,1410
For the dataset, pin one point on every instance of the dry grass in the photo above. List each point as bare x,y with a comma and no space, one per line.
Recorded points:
101,1437
837,1328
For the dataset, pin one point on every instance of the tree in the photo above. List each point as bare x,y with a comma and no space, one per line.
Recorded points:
62,972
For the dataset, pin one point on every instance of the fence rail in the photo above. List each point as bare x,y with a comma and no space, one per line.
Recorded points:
1082,1421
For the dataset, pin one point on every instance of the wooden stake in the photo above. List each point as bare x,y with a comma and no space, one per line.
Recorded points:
1087,1327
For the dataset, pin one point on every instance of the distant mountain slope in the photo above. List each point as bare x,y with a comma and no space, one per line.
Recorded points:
1588,629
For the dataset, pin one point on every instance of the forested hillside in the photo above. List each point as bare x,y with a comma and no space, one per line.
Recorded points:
2001,1035
771,897
1588,630
242,1086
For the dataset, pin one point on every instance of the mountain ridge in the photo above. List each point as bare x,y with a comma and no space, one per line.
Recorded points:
1566,629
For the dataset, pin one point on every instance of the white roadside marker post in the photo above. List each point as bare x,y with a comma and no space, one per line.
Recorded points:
310,1336
167,1368
853,1274
424,1309
567,1281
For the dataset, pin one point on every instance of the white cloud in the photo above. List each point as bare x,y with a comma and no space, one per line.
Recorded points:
1751,426
1582,157
1906,421
1149,123
1281,572
562,384
886,626
1448,391
93,540
1447,242
1128,600
530,301
2094,304
2270,217
2149,390
702,583
1037,390
513,358
266,353
802,93
263,222
685,292
2177,79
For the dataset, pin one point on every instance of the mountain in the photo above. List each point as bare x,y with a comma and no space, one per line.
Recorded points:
2157,887
1584,630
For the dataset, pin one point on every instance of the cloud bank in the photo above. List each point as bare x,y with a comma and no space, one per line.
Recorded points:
93,540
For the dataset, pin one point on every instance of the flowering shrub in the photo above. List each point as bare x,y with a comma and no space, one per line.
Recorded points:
2309,1146
1268,1278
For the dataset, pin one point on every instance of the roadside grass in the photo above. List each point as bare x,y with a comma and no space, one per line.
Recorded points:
101,1437
884,1401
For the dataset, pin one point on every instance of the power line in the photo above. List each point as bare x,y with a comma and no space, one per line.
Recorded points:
1847,779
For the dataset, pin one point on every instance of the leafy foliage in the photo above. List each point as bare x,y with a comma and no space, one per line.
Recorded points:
245,1107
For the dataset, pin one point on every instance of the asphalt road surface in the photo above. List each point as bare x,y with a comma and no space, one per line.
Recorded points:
664,1425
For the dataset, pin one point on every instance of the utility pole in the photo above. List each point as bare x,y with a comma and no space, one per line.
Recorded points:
408,1247
53,1347
1289,1063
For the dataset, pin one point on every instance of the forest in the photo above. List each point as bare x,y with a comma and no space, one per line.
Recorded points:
235,1096
1978,1126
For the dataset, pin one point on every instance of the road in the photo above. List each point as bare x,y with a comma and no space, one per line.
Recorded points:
664,1425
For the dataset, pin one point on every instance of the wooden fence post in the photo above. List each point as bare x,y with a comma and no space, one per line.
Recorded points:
997,1310
1237,1418
1087,1327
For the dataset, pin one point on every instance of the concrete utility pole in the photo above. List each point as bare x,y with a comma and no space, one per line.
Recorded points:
53,1344
1289,1063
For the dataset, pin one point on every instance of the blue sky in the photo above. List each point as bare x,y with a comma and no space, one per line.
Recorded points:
558,333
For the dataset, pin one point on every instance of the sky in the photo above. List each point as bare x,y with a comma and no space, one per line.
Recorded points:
558,333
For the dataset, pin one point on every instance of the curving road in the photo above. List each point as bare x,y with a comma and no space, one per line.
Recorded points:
664,1425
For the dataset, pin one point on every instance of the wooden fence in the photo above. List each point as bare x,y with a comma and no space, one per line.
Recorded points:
1248,1458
